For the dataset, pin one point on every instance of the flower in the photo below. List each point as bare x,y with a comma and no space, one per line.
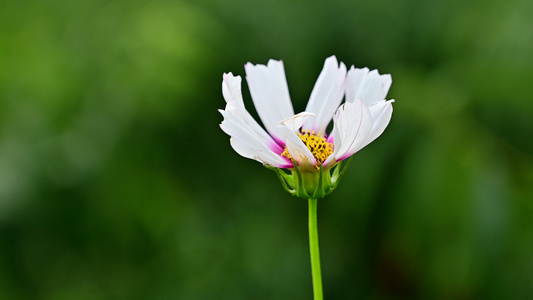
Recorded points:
299,142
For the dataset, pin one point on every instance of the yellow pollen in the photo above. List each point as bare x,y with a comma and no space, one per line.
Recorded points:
316,143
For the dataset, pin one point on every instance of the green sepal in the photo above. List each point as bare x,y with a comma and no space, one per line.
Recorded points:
310,183
336,177
319,191
286,180
300,191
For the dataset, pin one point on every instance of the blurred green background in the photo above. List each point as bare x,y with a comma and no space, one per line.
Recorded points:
117,183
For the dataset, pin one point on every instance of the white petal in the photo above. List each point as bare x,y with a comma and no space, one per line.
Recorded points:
369,86
336,137
347,123
270,94
354,80
364,130
326,95
231,90
297,149
381,114
248,143
352,126
295,122
249,150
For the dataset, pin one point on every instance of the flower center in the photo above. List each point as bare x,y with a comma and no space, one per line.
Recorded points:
316,143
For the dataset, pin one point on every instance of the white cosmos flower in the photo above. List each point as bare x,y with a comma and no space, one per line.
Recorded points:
302,137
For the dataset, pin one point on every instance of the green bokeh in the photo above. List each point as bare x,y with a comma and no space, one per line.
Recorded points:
117,183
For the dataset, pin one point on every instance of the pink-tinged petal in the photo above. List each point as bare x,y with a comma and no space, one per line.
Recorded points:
369,86
364,130
231,90
248,143
381,114
270,94
336,138
347,122
249,150
352,125
327,95
297,149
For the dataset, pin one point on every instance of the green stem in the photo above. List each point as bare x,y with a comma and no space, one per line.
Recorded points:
313,247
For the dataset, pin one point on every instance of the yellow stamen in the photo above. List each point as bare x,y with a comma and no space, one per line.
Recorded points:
316,143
